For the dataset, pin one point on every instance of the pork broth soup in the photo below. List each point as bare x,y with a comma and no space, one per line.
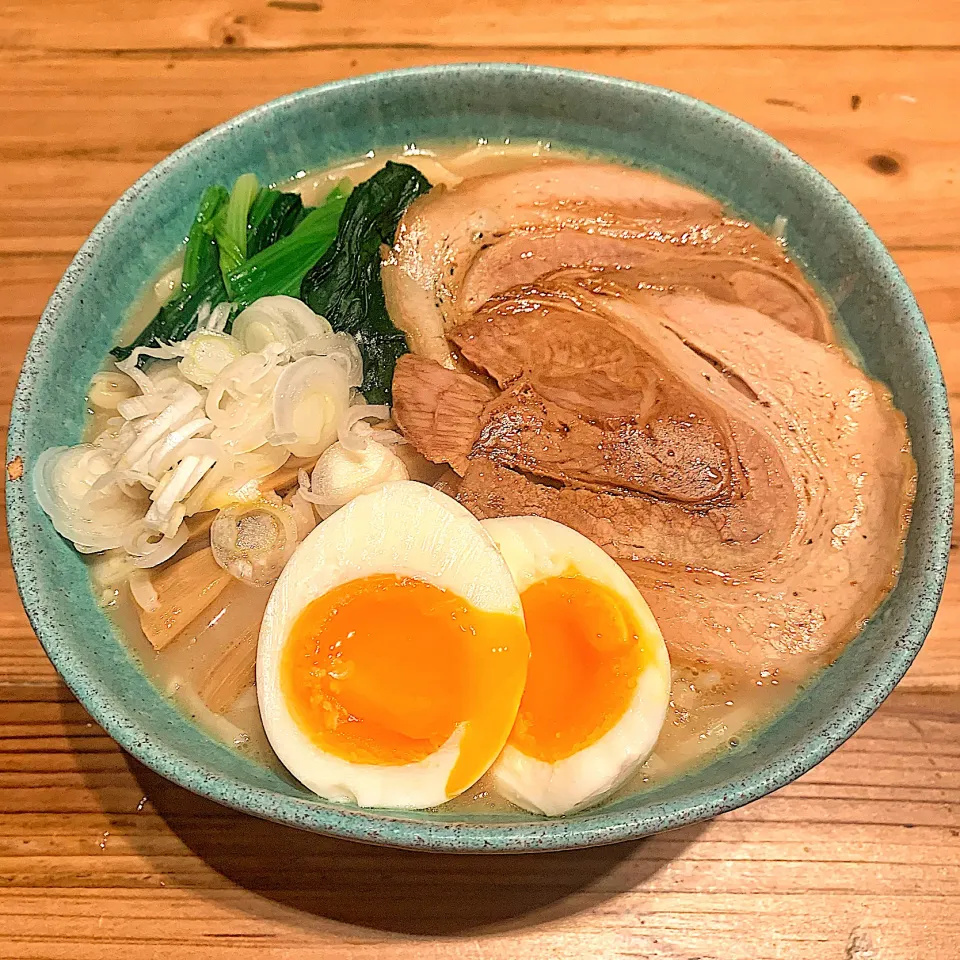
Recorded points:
627,406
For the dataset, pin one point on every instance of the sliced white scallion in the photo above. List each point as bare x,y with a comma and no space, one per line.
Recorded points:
239,483
130,366
246,424
207,355
311,395
176,485
166,451
253,542
175,414
146,405
202,424
142,591
63,479
108,390
279,319
149,548
342,474
350,430
339,346
213,319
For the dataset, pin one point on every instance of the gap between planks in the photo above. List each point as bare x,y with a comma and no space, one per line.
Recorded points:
443,46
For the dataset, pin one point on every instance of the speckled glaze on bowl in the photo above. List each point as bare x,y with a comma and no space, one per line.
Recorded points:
637,124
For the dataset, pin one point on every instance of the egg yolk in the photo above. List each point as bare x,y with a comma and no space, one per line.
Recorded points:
384,669
586,653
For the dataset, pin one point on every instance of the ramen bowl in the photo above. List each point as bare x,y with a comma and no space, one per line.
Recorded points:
635,124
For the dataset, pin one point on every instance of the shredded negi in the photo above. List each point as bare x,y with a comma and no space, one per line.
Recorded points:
260,367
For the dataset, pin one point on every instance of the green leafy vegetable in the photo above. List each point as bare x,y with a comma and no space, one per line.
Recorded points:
280,267
201,282
345,285
178,317
231,225
273,216
200,255
251,243
262,204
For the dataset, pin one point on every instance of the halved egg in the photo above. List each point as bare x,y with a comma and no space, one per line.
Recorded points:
598,684
392,654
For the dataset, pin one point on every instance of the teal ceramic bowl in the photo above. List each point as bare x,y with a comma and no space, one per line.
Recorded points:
636,124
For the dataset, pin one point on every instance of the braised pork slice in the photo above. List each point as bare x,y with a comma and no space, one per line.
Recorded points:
442,407
753,482
455,249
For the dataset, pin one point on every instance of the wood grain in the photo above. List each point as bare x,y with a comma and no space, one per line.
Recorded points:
97,853
61,176
100,858
285,24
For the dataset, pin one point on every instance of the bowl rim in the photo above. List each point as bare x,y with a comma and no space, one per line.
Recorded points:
388,827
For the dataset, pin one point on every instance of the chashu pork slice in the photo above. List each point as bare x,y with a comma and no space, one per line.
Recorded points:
455,249
754,483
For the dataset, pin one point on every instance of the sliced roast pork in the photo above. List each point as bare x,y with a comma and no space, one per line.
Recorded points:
457,248
606,349
753,482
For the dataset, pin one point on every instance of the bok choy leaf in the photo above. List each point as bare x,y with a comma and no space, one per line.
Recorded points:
280,267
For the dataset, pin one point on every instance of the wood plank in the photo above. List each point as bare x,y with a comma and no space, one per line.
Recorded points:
285,24
817,866
60,176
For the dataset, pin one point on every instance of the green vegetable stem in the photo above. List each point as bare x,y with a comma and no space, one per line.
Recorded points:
201,281
279,268
231,229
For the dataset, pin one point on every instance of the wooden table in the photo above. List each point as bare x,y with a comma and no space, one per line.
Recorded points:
99,858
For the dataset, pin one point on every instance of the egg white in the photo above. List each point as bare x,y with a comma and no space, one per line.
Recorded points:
408,529
536,549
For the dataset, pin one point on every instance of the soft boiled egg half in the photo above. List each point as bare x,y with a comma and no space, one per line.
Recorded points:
598,683
392,654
